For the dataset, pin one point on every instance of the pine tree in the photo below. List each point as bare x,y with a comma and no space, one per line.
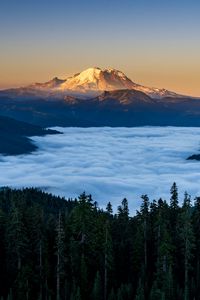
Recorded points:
162,286
196,226
109,208
174,228
97,288
112,295
156,293
2,251
145,214
174,197
10,295
142,236
123,210
140,292
107,257
83,278
76,294
35,222
122,243
187,237
60,254
17,238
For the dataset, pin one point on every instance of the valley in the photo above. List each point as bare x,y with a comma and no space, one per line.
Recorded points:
110,163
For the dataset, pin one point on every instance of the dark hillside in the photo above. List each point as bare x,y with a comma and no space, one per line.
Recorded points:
14,136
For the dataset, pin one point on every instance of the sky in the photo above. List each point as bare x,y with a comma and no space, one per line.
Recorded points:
156,43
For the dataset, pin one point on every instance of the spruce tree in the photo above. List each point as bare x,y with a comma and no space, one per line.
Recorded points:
174,197
97,288
108,258
140,295
83,278
187,238
145,219
112,295
109,208
60,237
196,226
162,286
17,239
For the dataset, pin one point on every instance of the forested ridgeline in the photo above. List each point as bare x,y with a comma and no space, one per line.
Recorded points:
52,248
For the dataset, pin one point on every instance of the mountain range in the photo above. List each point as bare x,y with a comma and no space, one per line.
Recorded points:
92,81
97,97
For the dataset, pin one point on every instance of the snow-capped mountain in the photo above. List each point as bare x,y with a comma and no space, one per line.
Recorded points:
96,79
91,82
97,97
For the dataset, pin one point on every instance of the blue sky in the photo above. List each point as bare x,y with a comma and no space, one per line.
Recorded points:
154,42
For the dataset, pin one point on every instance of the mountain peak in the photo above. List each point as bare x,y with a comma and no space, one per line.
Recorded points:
97,79
89,74
93,81
53,83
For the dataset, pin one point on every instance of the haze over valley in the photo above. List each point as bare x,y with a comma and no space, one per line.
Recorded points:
109,163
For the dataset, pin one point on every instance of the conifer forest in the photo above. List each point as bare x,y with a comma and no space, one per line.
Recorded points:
57,249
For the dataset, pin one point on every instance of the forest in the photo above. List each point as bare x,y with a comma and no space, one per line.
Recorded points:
56,248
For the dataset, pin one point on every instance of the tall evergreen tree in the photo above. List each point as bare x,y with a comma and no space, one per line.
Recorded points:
17,239
196,259
97,288
174,228
145,215
83,278
140,295
112,295
174,197
187,237
108,259
123,210
109,208
60,239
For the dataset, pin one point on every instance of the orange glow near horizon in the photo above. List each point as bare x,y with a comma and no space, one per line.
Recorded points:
182,82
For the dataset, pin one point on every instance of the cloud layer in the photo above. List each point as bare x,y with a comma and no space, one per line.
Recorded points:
109,163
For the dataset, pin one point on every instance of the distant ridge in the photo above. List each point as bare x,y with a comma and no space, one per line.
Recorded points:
98,97
14,136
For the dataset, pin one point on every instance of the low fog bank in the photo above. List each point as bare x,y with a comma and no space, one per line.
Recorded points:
109,163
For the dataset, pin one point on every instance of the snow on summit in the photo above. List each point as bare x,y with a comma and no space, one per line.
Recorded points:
97,79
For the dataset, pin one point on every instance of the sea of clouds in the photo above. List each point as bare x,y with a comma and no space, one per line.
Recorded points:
109,163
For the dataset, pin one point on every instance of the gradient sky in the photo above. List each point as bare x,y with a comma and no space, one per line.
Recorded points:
156,43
